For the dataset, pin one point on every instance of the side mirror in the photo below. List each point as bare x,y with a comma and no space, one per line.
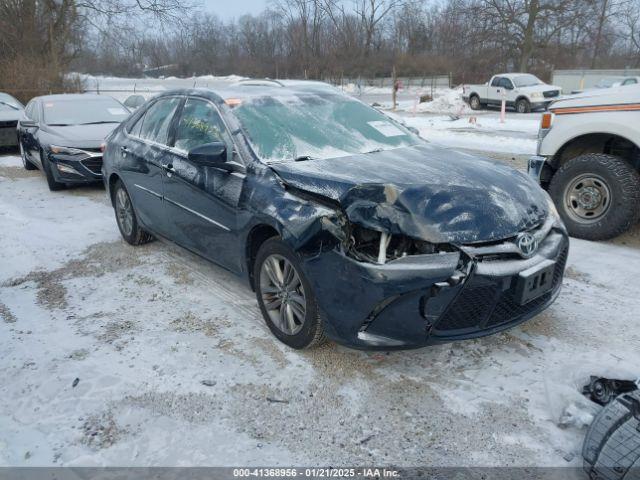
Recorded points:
29,124
210,155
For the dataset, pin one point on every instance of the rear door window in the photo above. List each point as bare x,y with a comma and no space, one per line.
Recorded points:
496,81
134,130
157,120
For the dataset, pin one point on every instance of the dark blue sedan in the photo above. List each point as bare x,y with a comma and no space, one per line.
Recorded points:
345,223
62,135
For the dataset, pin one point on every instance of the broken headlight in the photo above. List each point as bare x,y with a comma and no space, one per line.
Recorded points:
371,246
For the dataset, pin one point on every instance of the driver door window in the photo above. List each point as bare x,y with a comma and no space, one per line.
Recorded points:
199,124
506,83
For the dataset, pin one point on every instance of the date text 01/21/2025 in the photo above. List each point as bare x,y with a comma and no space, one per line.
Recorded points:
316,472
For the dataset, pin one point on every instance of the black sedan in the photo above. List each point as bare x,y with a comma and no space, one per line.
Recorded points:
62,136
11,110
345,223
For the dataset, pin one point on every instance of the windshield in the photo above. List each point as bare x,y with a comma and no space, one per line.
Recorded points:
7,102
317,125
81,111
527,81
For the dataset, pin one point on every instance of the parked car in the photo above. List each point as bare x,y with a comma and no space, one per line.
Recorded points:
133,102
611,82
589,158
522,91
10,112
62,136
345,223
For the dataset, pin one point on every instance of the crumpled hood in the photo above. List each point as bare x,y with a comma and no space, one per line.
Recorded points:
425,192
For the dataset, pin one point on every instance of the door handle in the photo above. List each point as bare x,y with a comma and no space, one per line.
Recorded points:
168,167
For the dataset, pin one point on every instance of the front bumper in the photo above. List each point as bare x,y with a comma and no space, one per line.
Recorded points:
541,104
77,169
427,299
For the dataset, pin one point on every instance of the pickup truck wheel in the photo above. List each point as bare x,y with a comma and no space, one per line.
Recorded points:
474,102
523,106
597,195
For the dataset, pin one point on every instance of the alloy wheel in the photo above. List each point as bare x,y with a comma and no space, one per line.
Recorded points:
587,198
124,211
283,294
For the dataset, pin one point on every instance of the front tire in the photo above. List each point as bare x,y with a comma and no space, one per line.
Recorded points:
597,195
523,106
285,297
126,217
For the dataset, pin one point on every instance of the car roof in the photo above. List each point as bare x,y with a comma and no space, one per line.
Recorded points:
74,97
512,75
246,90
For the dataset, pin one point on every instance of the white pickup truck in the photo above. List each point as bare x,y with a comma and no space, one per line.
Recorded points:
589,160
522,91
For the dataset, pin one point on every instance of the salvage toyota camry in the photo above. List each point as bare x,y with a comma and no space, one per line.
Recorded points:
345,223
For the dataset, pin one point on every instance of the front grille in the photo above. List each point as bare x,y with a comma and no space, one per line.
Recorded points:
483,304
551,93
94,164
9,124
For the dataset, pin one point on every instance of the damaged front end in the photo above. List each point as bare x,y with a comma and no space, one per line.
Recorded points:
380,290
387,277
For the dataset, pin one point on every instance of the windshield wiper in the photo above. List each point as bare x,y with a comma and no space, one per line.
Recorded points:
58,124
375,150
303,158
9,105
98,123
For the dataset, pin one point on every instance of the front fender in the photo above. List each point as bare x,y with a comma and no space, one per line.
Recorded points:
569,127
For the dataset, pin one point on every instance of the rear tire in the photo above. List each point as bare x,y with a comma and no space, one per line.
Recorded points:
126,217
26,163
285,297
597,196
54,186
523,106
475,103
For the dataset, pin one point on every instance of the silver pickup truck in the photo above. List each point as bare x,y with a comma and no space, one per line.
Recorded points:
588,159
522,91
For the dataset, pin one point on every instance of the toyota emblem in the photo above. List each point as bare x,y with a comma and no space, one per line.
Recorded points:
527,243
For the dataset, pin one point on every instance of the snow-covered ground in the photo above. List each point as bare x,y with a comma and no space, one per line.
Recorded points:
114,355
517,135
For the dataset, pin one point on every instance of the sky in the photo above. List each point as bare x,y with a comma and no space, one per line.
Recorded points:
228,9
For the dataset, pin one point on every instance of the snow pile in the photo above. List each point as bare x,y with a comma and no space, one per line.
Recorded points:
445,101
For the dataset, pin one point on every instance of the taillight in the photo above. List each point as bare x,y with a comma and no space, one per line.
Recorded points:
547,120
